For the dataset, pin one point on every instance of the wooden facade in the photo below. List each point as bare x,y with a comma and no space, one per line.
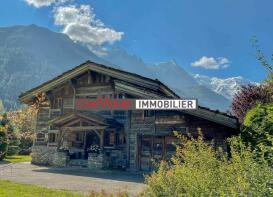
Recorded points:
126,139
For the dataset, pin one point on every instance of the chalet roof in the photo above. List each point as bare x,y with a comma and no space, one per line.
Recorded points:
88,65
125,80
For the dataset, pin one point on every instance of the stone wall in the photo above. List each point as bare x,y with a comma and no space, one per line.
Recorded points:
43,155
60,159
95,161
115,159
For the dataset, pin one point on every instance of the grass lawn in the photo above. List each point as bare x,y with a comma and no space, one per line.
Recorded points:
10,189
16,159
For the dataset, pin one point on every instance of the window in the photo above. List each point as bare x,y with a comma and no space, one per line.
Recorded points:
53,127
170,147
149,113
158,146
57,103
83,80
40,137
79,137
181,130
99,78
103,78
52,137
121,139
109,138
112,138
146,143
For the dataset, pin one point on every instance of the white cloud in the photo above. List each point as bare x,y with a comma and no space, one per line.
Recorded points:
65,15
41,3
81,25
211,62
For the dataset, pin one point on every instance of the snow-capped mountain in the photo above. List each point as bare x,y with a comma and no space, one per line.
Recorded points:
31,55
171,74
226,87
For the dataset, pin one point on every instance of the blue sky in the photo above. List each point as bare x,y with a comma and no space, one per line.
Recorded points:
157,30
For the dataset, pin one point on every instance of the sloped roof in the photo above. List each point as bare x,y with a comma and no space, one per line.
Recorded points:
94,118
153,84
76,115
88,65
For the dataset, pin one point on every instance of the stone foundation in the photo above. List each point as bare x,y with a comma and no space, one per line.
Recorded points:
114,159
95,161
43,155
60,159
49,156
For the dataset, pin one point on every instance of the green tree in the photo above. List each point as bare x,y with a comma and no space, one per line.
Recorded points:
23,120
198,169
2,109
258,130
12,136
261,57
3,138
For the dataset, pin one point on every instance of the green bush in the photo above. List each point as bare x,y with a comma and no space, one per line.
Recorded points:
24,151
258,130
26,141
3,142
198,169
12,138
13,150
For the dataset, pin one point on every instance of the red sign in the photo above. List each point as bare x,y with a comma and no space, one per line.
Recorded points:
104,103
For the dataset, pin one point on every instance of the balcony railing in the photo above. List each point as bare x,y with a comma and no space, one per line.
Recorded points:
55,113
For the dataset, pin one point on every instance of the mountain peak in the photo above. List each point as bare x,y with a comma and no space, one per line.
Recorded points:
31,55
226,87
167,63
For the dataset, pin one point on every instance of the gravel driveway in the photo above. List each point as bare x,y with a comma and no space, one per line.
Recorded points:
74,179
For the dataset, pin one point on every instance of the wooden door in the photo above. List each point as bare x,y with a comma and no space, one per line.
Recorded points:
170,147
158,149
145,152
153,149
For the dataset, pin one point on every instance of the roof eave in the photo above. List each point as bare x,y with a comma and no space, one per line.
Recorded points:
66,76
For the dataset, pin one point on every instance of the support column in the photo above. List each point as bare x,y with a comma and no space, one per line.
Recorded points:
101,139
84,140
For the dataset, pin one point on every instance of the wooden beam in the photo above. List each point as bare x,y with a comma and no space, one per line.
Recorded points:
89,77
132,89
71,123
85,128
101,139
84,138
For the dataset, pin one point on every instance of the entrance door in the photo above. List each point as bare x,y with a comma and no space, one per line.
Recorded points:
153,149
145,153
158,148
91,139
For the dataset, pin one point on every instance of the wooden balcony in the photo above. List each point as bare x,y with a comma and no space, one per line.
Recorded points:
55,113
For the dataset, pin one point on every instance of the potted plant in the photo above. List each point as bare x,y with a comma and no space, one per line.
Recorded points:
93,150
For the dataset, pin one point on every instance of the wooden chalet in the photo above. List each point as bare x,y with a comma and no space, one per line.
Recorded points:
130,139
